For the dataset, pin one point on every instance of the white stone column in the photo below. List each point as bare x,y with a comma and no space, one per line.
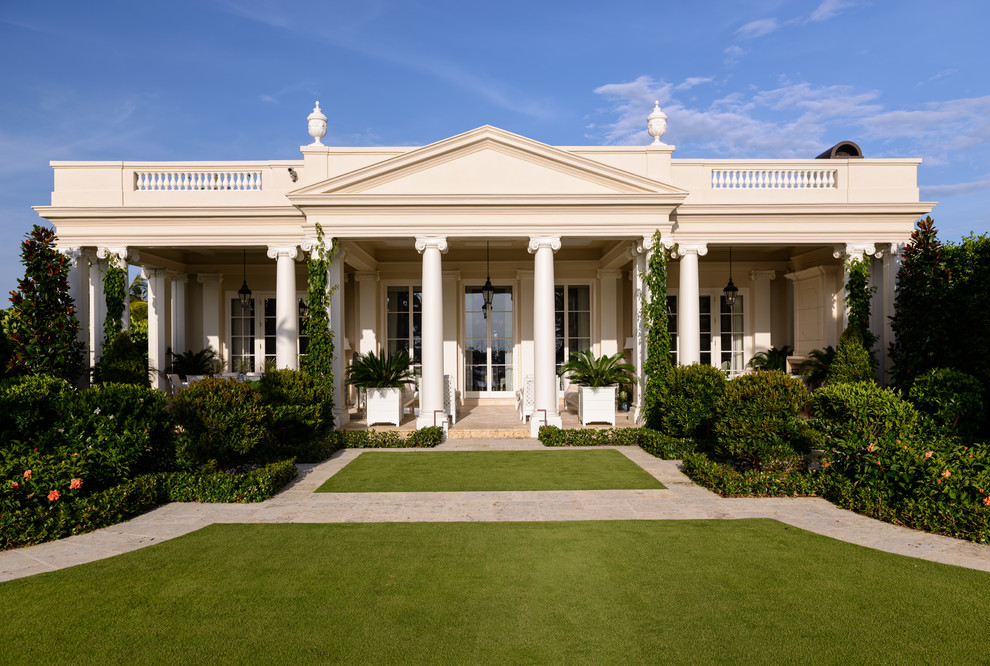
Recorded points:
367,306
286,307
525,313
211,309
762,321
450,310
544,335
857,251
891,268
78,283
156,323
97,308
118,255
608,311
335,282
688,315
179,313
638,255
431,389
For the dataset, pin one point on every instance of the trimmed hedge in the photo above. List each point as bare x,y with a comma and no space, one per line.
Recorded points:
554,436
651,441
388,439
37,524
728,482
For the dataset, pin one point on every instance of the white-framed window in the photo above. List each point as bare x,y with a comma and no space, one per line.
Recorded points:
251,335
572,320
723,331
404,321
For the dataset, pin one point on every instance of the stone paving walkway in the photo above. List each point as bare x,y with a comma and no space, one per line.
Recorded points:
681,499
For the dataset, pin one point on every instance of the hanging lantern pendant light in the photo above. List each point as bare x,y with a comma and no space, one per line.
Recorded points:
244,292
730,291
488,291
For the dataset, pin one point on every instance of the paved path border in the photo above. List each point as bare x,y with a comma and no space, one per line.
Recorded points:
681,499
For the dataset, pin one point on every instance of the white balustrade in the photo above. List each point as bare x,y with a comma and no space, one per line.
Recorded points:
773,179
151,181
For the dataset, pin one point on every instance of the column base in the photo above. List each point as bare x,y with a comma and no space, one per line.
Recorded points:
340,417
537,420
427,421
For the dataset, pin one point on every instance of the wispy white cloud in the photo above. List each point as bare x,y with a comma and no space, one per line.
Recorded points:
758,28
733,53
938,75
351,30
268,98
693,81
796,120
829,8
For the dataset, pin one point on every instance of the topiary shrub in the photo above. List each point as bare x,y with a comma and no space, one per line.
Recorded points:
755,417
220,420
123,362
952,398
301,409
863,410
852,361
690,397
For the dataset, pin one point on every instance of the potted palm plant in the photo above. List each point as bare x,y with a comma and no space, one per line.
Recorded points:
382,376
598,380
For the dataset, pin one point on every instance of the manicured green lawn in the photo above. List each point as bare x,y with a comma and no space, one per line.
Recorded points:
741,591
419,471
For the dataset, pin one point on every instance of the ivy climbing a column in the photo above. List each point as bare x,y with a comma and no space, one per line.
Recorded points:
115,291
318,360
657,364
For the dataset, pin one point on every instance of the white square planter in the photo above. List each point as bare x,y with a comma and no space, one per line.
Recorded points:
384,405
596,404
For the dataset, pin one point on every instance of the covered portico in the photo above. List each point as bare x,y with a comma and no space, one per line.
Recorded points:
563,233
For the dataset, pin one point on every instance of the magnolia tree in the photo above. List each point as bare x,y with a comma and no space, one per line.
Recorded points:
41,323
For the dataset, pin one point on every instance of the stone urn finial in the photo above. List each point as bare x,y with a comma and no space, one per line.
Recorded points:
317,125
656,124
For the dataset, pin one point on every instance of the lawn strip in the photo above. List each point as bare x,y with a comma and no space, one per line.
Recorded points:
450,471
632,592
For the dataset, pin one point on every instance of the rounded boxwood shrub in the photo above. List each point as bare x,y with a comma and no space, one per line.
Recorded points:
690,397
952,398
301,408
756,417
220,420
863,410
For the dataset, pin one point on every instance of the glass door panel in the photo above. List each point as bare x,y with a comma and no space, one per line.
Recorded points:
488,342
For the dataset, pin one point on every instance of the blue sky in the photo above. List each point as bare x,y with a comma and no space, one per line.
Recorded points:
235,79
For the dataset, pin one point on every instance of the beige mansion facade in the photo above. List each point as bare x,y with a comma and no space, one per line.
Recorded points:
563,233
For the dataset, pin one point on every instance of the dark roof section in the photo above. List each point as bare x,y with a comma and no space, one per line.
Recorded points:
841,150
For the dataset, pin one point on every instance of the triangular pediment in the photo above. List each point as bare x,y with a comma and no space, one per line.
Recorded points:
483,162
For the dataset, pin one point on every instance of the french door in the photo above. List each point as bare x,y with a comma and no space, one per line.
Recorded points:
488,342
